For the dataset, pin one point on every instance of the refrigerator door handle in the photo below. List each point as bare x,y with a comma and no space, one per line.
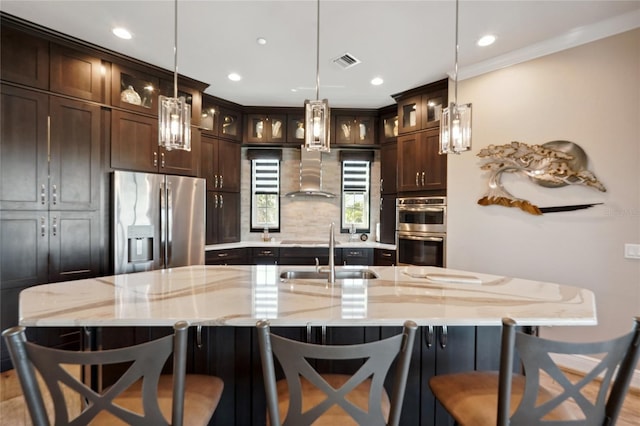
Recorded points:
163,225
169,224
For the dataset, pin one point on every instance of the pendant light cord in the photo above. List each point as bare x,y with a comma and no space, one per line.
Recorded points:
455,69
318,53
175,50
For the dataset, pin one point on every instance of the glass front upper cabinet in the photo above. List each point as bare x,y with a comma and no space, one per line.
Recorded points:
230,124
135,90
263,128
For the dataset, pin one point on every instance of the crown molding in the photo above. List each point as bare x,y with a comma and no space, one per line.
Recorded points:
573,38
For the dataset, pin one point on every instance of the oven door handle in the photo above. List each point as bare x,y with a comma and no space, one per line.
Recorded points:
419,238
421,209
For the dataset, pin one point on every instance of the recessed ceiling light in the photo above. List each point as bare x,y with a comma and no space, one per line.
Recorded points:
486,40
122,33
234,77
261,41
294,90
377,81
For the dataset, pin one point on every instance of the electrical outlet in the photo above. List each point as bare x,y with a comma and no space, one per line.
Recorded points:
632,251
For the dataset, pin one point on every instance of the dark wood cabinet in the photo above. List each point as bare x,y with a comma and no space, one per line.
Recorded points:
295,128
265,128
50,152
388,220
421,111
24,58
420,167
220,164
357,256
134,146
75,153
24,253
353,127
24,143
389,168
38,63
384,257
223,217
74,245
264,256
134,89
307,256
76,74
134,142
236,256
221,118
388,125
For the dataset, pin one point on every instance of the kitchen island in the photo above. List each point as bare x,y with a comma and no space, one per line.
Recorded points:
460,321
242,295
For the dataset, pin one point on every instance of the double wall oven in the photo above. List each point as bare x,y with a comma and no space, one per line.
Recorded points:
421,231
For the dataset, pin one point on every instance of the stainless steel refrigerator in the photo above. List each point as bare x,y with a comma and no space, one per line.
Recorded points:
158,221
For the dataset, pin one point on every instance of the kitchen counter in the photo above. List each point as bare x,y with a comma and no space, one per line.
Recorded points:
301,243
241,295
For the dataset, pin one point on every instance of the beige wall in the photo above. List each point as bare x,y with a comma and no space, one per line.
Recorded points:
589,95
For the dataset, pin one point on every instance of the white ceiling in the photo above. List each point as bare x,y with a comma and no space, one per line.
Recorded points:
407,43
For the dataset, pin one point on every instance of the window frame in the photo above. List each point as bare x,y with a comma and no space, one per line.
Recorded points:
344,227
254,194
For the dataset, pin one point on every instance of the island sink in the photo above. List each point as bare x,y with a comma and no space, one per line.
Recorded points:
349,274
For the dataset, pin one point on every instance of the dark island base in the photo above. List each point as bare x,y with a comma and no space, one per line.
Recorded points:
231,353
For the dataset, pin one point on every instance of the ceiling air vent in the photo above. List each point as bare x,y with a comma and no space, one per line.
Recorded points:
346,61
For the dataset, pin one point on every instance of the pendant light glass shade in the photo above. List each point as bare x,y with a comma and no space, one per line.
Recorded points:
317,121
455,124
455,129
316,113
174,114
175,123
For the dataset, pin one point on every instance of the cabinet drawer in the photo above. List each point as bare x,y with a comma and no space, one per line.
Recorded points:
385,257
357,256
226,257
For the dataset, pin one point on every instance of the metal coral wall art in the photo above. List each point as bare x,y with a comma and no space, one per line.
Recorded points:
552,165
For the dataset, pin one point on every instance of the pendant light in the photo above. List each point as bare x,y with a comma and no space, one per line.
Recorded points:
316,113
174,114
455,125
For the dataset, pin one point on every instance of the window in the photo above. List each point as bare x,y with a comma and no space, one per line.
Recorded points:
355,195
265,194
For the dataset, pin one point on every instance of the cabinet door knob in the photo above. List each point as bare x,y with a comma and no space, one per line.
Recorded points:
422,178
215,181
221,182
54,195
417,177
43,194
215,201
155,159
54,226
162,160
221,201
43,226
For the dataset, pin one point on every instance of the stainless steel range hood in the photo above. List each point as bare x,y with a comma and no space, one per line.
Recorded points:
310,175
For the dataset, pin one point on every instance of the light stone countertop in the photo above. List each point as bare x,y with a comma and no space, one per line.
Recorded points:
242,295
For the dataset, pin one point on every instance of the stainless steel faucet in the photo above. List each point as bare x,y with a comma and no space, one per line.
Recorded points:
332,262
332,249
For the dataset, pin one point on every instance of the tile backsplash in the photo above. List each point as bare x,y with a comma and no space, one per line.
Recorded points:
307,218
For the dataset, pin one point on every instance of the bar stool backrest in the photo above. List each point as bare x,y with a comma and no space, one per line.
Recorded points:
294,358
619,358
146,362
